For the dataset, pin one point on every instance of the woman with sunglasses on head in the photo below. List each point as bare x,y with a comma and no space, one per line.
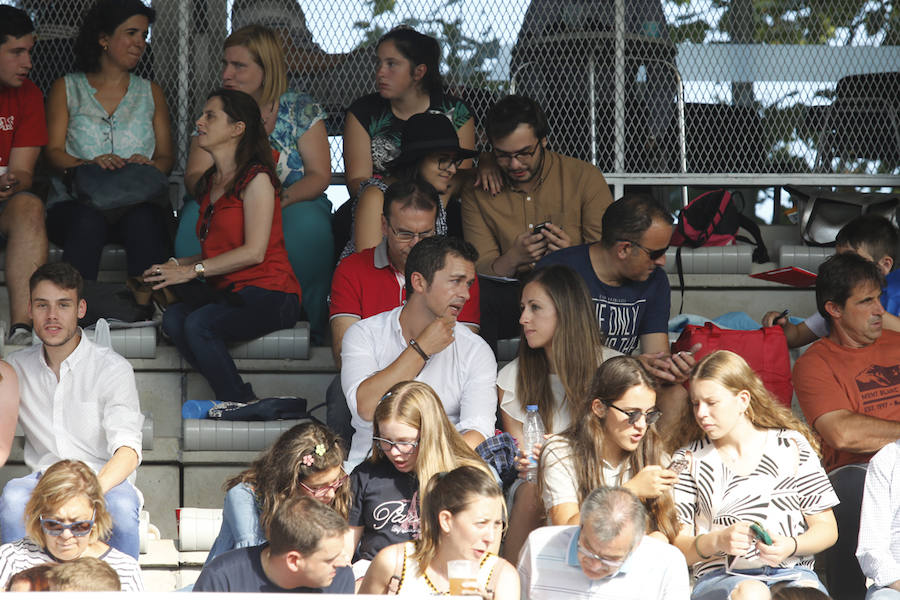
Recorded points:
242,257
294,124
413,439
408,80
612,441
429,152
754,502
306,459
462,519
65,519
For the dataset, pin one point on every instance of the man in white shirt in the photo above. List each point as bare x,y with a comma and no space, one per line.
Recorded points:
423,341
879,525
77,401
607,556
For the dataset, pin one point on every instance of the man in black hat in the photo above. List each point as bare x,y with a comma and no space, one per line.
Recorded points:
547,202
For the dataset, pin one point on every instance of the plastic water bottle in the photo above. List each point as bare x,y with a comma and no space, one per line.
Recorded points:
534,434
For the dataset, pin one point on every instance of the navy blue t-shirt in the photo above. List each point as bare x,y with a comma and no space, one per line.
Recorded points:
241,570
385,503
624,312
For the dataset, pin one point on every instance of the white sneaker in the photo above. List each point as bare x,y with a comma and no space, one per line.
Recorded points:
19,335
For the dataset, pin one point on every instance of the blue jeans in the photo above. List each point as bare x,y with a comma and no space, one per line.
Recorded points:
719,584
123,504
882,593
240,522
200,334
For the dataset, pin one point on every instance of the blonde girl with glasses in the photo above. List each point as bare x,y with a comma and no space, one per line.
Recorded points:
65,519
306,459
463,515
413,439
612,441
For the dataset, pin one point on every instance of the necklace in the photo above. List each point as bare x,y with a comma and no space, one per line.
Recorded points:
434,587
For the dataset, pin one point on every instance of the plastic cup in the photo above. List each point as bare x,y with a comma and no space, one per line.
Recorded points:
462,575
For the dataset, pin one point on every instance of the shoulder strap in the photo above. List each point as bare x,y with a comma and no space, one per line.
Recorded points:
396,579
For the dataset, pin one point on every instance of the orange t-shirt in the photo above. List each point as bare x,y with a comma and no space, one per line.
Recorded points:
830,377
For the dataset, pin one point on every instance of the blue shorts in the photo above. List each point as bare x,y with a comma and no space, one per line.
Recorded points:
719,584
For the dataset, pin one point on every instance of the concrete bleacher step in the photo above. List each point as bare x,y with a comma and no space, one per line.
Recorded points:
711,259
284,343
213,434
803,257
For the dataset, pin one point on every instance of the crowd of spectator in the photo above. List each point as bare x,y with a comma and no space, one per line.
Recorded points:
660,476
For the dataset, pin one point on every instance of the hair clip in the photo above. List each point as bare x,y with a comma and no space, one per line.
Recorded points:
308,460
385,397
320,449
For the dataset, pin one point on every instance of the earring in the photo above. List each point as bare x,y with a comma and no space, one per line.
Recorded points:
105,47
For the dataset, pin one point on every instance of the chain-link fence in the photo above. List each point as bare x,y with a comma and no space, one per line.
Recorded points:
635,86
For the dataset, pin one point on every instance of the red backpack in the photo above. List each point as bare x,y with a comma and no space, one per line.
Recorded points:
712,219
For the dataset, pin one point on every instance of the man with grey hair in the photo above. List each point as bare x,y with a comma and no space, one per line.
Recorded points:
607,556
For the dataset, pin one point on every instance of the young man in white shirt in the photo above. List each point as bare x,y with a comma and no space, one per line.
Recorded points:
607,556
78,401
423,341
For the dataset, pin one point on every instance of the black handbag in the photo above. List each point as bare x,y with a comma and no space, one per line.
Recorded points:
127,186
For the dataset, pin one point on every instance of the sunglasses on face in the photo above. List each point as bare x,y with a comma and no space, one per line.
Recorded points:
77,528
651,416
653,254
321,492
402,447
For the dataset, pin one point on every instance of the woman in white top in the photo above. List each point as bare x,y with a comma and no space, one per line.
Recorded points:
616,444
65,519
461,519
752,462
561,348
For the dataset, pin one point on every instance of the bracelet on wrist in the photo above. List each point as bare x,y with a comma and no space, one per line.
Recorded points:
417,348
174,260
794,553
697,548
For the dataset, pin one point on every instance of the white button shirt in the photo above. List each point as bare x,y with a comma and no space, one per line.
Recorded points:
87,415
464,375
879,521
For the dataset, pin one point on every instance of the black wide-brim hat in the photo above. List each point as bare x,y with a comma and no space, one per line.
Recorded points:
424,134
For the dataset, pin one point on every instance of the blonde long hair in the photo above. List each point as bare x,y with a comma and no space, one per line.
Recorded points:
733,373
441,447
586,434
264,46
576,348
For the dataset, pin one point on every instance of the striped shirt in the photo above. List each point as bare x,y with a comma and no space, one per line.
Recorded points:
549,569
24,554
879,522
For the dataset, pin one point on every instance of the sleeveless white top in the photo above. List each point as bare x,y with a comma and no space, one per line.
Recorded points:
415,585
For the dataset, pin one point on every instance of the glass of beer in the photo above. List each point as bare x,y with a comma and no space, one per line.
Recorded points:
462,576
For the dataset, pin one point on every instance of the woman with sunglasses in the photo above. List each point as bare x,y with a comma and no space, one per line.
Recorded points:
305,459
413,439
612,441
242,256
429,152
462,519
754,502
65,519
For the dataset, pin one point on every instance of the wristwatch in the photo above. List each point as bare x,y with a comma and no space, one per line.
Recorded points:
199,269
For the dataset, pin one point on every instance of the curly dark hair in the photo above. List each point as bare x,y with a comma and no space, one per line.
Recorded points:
103,18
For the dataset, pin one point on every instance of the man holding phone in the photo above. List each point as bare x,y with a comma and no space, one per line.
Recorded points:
23,131
545,202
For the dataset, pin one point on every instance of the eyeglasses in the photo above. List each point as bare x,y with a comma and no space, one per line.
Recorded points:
444,163
508,157
321,492
408,236
652,415
402,447
653,254
611,564
76,528
205,222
